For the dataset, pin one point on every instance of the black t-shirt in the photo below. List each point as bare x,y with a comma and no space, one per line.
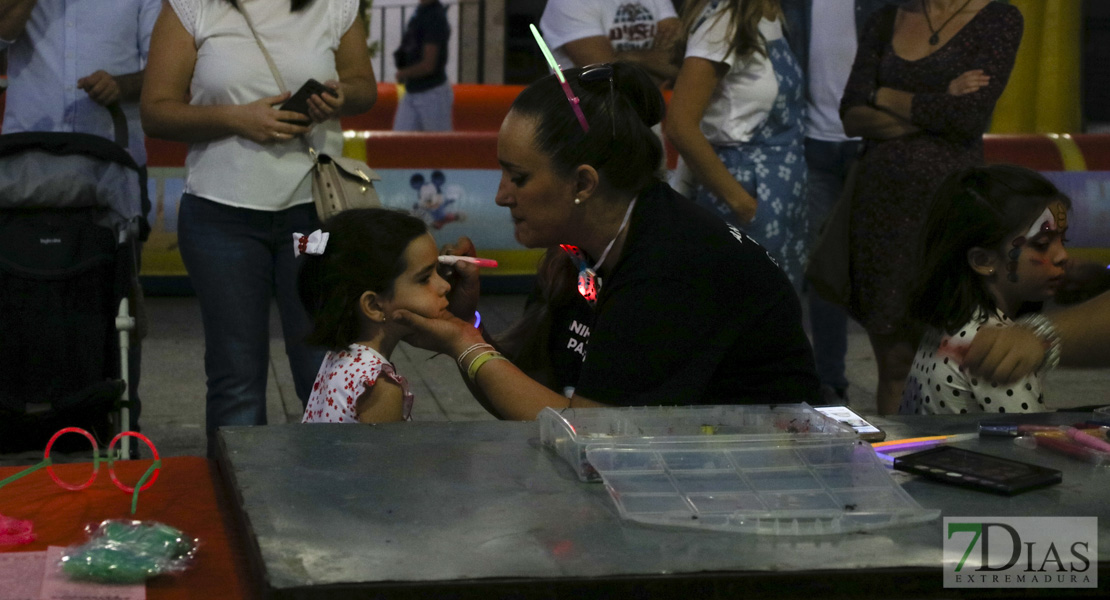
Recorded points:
571,323
428,25
695,312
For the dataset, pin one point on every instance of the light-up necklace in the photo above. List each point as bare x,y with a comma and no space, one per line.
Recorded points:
589,282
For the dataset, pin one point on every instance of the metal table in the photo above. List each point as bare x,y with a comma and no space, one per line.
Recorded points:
480,509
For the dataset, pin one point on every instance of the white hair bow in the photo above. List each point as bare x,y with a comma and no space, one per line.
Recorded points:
313,243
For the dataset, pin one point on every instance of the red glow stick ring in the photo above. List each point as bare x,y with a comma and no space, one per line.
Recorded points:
111,464
50,465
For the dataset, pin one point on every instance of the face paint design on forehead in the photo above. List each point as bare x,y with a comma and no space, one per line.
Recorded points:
1053,218
1046,221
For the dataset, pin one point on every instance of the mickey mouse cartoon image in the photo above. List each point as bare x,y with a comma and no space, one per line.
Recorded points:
433,199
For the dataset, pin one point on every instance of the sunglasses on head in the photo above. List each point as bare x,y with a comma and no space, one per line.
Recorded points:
591,74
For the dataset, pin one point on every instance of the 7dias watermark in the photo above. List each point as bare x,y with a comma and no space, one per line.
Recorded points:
1021,552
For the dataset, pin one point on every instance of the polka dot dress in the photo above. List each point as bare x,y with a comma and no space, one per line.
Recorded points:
343,377
937,386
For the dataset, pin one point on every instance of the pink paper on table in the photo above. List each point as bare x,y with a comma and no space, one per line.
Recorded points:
21,575
56,586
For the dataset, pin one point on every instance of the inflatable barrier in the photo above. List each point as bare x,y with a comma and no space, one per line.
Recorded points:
450,179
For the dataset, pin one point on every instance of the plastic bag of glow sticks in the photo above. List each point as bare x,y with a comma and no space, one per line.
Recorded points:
122,551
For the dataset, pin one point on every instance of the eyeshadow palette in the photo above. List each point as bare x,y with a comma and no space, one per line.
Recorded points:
976,470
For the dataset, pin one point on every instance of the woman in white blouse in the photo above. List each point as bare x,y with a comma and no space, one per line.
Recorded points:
247,188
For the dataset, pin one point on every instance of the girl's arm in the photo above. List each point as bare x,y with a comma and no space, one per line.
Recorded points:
697,79
963,110
382,403
167,114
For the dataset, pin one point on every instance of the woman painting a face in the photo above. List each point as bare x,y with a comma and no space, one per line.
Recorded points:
684,308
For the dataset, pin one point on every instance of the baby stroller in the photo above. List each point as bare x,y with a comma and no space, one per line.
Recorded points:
70,209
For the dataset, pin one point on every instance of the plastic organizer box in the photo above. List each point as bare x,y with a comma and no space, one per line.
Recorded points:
572,431
774,488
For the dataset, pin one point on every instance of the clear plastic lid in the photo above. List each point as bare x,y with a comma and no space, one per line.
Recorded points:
570,432
774,488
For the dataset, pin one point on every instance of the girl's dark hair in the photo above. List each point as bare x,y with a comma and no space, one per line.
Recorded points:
976,207
620,144
365,252
294,5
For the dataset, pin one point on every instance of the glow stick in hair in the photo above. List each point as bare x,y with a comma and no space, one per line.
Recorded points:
562,80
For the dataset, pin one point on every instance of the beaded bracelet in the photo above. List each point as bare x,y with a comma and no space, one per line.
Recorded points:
1043,328
481,360
459,360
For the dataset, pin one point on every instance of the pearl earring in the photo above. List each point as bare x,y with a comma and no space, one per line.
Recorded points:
990,272
578,201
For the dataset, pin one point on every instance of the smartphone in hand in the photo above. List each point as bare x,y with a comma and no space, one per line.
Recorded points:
298,102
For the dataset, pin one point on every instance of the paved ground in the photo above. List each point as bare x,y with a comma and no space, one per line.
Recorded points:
173,378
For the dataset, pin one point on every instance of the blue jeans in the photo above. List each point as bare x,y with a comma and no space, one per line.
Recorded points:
238,260
429,110
828,164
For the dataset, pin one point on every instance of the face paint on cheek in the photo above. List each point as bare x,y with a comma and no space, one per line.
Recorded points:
1013,255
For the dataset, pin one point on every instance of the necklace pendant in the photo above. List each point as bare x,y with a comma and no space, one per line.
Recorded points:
934,39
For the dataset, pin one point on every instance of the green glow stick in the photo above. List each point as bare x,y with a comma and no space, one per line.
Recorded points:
562,80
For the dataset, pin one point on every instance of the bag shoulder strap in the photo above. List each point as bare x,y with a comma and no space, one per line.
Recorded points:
273,69
266,53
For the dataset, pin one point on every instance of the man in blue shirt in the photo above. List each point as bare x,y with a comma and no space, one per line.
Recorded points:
68,61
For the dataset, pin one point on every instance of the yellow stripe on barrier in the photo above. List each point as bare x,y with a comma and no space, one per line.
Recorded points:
354,147
513,262
1069,152
1099,255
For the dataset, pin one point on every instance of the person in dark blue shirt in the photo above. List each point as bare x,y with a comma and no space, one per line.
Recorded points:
421,62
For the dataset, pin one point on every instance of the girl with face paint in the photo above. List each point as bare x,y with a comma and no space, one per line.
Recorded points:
992,251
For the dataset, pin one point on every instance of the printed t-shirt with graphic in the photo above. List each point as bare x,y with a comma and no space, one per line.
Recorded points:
629,24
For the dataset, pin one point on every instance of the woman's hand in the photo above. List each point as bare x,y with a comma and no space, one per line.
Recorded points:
263,124
463,277
322,107
969,83
742,203
1003,355
448,335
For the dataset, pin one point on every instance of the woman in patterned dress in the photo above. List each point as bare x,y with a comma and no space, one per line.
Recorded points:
736,118
926,77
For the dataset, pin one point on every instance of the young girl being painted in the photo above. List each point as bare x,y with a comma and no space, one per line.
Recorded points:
358,268
992,253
